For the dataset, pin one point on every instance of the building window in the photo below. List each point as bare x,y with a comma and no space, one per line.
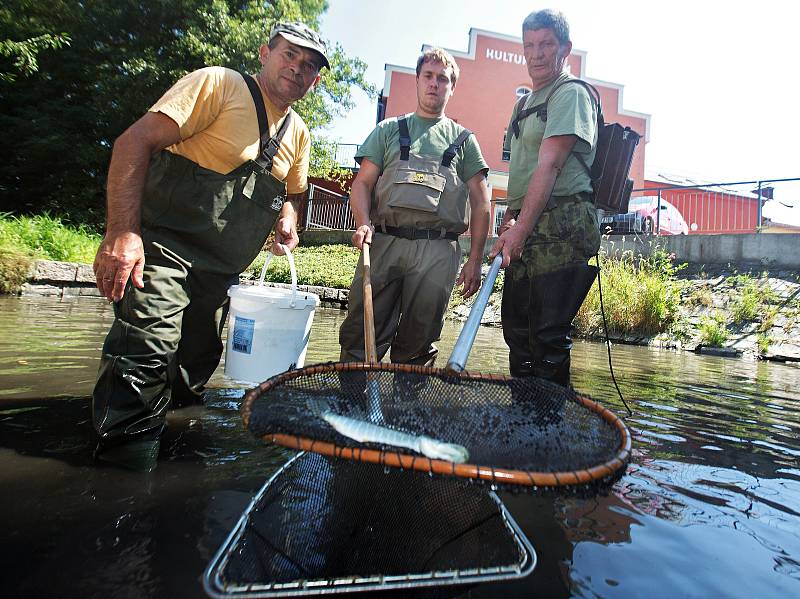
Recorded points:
499,213
506,156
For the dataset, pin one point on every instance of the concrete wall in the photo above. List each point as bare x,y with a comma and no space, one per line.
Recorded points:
762,250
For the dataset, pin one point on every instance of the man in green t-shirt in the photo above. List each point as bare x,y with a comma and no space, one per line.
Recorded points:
550,228
422,183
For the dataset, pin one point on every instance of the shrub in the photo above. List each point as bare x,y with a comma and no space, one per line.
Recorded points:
14,269
713,331
748,305
763,341
640,295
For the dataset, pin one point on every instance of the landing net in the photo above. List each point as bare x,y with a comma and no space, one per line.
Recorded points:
513,431
322,525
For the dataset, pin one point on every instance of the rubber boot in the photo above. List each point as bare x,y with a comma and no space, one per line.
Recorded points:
555,299
412,386
427,359
137,453
514,316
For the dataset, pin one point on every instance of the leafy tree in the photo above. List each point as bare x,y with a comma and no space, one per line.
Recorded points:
75,74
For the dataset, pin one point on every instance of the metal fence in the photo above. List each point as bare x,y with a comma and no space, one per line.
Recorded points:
346,155
325,209
692,208
681,207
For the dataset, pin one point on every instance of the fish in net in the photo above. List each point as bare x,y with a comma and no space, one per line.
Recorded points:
505,430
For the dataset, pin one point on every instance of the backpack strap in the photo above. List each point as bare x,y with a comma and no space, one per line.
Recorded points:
268,146
595,96
453,148
405,138
519,114
540,110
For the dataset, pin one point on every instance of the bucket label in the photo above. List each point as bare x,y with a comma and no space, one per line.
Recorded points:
243,334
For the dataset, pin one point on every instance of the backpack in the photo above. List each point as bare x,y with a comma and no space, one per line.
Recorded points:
613,155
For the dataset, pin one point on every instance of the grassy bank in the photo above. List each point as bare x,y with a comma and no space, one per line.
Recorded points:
43,237
641,295
25,239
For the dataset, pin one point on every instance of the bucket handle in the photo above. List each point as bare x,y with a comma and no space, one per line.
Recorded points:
292,269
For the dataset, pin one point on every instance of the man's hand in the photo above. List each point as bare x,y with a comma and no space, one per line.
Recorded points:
510,243
363,235
285,234
469,278
120,256
506,224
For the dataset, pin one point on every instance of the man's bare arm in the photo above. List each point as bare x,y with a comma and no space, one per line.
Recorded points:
553,153
470,276
360,199
121,254
286,226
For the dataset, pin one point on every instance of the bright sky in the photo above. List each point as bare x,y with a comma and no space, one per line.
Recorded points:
719,79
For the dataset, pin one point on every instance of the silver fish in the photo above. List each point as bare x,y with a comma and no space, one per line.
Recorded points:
366,432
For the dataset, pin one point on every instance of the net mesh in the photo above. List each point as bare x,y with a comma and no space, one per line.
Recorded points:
324,524
519,431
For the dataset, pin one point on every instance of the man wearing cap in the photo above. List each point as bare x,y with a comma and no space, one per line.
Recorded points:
550,229
194,188
422,183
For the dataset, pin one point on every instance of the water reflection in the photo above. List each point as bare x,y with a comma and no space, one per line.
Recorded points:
710,505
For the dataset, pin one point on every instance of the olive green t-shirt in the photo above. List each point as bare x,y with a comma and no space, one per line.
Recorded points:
429,137
570,111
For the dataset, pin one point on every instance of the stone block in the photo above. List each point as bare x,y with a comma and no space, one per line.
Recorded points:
39,289
89,292
85,274
48,270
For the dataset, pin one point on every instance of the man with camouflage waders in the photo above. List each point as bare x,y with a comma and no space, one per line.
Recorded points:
194,188
550,229
422,182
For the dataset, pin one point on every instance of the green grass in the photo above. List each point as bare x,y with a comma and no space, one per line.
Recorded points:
325,265
25,239
748,305
641,295
713,330
45,237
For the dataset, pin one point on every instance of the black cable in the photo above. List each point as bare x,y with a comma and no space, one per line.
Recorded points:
608,341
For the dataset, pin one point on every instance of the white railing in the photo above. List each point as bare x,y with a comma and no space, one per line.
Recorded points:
326,209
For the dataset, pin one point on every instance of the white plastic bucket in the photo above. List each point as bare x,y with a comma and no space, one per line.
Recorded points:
268,328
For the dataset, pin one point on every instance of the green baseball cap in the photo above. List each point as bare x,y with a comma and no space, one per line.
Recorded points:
301,34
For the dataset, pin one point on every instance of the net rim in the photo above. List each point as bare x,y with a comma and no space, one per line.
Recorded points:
216,587
399,459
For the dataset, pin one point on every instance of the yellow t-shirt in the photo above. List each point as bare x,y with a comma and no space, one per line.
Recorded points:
219,126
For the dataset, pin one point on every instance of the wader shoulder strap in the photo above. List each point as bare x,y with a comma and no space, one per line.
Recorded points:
453,148
268,146
405,138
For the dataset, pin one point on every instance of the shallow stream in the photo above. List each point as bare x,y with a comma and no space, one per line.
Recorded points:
709,506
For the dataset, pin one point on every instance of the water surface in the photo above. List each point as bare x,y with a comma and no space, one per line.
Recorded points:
710,505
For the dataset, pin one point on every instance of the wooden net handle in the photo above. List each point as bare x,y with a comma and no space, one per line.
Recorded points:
370,350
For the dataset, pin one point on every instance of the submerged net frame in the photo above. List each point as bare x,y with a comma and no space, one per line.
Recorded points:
321,525
560,440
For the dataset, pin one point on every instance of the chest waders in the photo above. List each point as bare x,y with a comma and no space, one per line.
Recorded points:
200,229
419,207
